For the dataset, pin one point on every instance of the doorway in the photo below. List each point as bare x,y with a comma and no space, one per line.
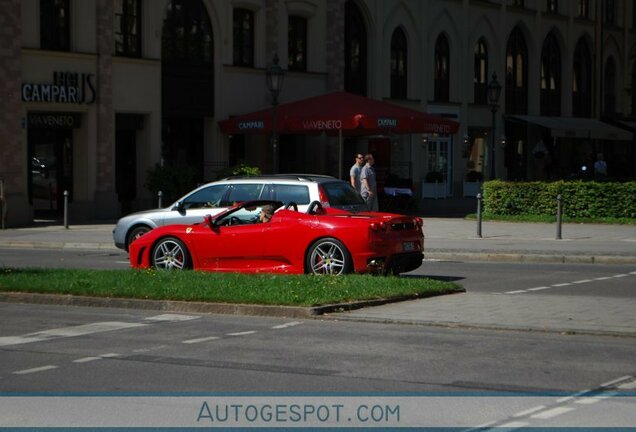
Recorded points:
50,158
438,162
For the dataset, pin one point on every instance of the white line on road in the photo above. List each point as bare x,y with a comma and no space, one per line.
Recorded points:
86,359
286,325
628,386
602,278
562,284
34,370
172,317
530,411
241,333
73,331
544,415
198,340
582,281
620,275
539,288
617,380
515,292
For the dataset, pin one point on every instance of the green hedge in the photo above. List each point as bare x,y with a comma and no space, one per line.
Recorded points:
581,199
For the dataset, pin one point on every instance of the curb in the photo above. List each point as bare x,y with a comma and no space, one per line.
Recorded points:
529,257
478,326
201,307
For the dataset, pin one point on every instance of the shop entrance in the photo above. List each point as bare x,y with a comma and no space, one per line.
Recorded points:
50,160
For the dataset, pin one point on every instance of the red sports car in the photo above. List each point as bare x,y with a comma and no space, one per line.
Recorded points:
320,241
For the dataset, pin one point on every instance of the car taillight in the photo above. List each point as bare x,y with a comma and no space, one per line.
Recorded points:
418,222
322,196
378,226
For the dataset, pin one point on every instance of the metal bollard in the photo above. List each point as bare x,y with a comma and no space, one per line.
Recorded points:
559,218
66,209
159,198
479,198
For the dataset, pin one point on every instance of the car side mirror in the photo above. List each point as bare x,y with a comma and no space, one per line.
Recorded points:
180,207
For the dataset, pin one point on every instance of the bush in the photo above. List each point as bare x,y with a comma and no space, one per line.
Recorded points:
239,170
172,181
580,199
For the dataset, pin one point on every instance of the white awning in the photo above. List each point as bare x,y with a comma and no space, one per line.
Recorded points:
577,127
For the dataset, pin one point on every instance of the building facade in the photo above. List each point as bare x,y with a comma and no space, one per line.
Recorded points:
96,93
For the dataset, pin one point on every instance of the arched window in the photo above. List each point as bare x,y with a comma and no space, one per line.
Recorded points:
516,74
187,34
480,72
127,31
355,50
243,37
609,87
399,58
550,77
442,69
297,43
582,81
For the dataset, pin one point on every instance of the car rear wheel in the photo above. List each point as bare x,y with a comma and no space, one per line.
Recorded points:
328,256
136,232
170,254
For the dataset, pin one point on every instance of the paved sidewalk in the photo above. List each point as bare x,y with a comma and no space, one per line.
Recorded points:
456,239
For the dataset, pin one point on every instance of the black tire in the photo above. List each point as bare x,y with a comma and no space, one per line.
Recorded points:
170,253
328,256
135,233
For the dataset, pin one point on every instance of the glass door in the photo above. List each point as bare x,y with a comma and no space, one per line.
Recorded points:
439,163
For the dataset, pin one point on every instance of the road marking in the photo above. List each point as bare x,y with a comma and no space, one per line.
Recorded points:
241,333
548,414
35,370
602,278
287,325
110,355
80,330
203,339
86,359
588,400
628,386
515,292
172,317
530,411
582,281
539,288
620,275
562,284
617,380
512,425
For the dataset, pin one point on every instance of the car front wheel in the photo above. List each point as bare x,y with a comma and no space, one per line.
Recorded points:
170,254
328,256
136,233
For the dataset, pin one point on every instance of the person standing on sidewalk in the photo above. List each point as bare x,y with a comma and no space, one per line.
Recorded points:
369,189
354,172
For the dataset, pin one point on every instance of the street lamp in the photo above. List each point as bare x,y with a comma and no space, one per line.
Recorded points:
275,76
494,91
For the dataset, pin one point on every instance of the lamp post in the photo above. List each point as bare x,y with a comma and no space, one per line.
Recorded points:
275,76
494,91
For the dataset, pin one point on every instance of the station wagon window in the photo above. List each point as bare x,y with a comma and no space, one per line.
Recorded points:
242,192
290,193
209,197
341,194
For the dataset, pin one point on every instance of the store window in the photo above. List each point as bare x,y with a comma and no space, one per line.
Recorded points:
297,43
480,73
55,32
127,30
442,69
243,37
582,81
516,74
550,77
399,62
355,50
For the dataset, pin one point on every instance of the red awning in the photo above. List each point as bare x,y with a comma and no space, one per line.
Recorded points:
339,111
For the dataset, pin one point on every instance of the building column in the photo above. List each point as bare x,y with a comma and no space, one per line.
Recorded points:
13,159
105,197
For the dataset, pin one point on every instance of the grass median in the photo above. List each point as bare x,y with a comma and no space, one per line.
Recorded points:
261,289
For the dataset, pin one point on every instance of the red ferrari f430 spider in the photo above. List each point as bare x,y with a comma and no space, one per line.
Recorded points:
319,241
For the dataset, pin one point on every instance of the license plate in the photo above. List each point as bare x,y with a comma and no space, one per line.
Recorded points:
408,246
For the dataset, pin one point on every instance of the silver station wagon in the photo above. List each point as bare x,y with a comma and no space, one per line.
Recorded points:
212,198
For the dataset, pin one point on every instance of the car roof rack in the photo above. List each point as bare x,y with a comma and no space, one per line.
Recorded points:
305,177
